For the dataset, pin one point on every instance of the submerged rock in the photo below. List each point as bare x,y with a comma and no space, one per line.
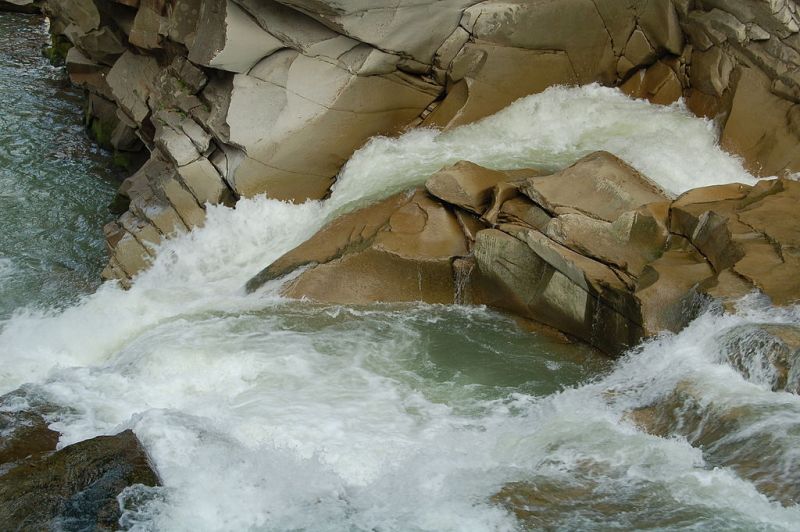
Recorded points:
76,487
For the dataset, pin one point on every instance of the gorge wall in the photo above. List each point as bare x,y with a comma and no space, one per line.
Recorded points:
233,98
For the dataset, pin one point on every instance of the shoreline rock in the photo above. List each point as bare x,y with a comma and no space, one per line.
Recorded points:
231,94
607,256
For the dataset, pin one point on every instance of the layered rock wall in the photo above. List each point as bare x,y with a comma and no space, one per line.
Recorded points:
233,98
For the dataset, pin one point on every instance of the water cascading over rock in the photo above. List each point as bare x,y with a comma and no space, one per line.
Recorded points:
234,98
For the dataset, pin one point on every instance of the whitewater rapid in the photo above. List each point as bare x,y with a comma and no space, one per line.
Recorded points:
266,414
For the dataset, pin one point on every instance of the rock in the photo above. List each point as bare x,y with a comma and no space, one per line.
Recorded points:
659,84
468,185
668,289
633,240
599,185
767,354
532,276
758,128
131,81
711,70
76,487
406,27
25,431
400,249
488,79
232,40
311,101
541,25
148,24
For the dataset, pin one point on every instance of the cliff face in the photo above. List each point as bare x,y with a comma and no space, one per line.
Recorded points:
233,98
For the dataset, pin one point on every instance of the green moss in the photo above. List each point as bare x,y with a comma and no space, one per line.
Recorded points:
57,51
122,160
101,132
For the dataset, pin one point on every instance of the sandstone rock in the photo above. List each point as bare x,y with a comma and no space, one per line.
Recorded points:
407,27
659,84
711,71
205,183
21,6
146,29
231,40
489,79
599,185
633,240
532,276
76,487
668,288
182,19
400,249
131,80
758,127
25,431
541,25
467,185
768,354
311,101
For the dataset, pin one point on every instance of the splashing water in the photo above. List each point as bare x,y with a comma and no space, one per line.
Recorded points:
266,414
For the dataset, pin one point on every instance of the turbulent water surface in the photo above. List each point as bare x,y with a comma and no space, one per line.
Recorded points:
266,414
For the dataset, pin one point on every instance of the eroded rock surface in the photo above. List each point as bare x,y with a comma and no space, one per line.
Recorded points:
244,97
597,250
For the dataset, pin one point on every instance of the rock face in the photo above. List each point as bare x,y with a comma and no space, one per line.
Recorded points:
74,488
597,251
234,98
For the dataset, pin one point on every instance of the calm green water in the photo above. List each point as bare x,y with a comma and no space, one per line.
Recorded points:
55,185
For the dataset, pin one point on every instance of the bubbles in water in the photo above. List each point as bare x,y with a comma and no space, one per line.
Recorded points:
266,414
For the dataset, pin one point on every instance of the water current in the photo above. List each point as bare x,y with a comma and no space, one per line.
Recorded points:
261,413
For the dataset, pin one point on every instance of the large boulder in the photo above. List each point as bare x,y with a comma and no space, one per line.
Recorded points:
76,487
398,250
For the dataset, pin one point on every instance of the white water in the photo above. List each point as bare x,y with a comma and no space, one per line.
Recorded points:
266,414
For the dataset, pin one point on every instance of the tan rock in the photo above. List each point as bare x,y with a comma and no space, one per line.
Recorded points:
489,78
231,39
659,84
131,81
758,128
599,185
536,278
407,259
309,102
668,287
467,185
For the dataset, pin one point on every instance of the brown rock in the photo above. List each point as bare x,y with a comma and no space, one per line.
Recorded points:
468,185
398,250
76,487
600,185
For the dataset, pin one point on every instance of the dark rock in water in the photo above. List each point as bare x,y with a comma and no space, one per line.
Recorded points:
75,488
24,433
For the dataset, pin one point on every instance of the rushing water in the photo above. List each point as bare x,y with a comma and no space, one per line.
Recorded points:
54,184
266,414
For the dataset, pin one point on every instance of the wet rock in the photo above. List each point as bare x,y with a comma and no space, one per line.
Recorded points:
599,185
397,250
470,186
766,354
76,487
24,432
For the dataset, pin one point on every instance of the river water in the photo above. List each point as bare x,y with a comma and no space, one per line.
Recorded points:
266,414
